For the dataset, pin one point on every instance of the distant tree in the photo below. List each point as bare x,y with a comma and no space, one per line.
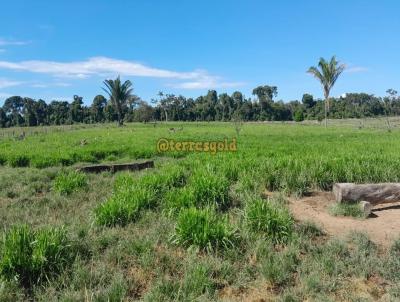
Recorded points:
76,109
42,113
119,94
97,109
308,101
3,118
29,112
59,113
13,108
265,95
327,74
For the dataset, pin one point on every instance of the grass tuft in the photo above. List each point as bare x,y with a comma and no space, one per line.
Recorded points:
68,182
346,209
271,219
203,228
32,257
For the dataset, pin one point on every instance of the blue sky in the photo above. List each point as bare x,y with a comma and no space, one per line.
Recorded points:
55,49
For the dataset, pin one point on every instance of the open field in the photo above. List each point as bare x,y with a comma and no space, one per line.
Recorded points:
198,226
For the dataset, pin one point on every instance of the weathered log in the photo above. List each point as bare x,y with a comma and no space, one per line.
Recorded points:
366,207
116,167
373,193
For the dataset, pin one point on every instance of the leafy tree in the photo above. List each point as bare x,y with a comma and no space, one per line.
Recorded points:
13,108
3,118
308,101
327,74
97,109
119,94
76,110
29,112
265,95
41,112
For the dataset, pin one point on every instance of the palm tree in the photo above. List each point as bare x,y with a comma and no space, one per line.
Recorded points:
327,74
119,94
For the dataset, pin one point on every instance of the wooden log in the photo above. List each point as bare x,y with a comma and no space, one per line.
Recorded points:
373,193
116,167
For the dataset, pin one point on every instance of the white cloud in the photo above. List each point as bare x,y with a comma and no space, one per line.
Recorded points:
8,83
206,82
355,69
103,66
46,85
6,42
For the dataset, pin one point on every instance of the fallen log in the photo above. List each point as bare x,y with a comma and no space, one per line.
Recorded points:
373,193
116,167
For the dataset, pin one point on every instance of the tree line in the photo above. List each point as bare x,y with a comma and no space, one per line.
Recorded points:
123,106
25,111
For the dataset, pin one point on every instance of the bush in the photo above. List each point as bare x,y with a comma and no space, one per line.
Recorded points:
32,257
124,206
68,182
202,228
271,219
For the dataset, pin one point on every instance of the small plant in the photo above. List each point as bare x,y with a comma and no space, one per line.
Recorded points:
202,228
32,257
347,209
274,220
68,182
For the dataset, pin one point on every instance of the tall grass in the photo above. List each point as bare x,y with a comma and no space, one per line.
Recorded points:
203,228
32,257
68,182
269,218
133,195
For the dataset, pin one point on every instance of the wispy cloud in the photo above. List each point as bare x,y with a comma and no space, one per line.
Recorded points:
206,82
51,84
10,42
104,66
355,69
8,83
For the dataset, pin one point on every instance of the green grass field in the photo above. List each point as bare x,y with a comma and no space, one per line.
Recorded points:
196,227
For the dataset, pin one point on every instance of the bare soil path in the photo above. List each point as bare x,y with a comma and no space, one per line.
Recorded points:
383,225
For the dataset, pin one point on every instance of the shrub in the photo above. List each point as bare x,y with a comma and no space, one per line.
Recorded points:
32,257
272,219
202,228
68,182
124,206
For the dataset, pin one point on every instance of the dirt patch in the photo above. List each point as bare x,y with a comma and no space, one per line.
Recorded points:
383,225
259,292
